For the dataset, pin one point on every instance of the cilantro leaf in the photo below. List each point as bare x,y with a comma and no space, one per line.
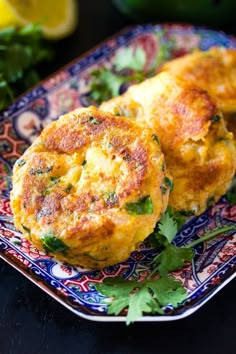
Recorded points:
151,295
53,244
105,84
177,216
141,297
130,58
116,286
128,67
139,303
172,258
167,227
117,305
27,230
131,294
167,291
143,206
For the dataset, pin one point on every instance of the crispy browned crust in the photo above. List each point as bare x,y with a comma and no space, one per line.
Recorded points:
76,180
198,149
213,70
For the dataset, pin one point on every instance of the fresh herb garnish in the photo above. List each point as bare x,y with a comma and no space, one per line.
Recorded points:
147,296
94,121
187,213
52,243
129,66
87,254
105,84
39,171
17,242
155,138
231,194
210,202
215,118
20,162
143,206
167,184
36,171
26,229
20,51
129,58
68,188
171,258
166,229
54,181
152,294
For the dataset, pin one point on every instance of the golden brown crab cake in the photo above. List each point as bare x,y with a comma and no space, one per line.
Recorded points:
90,188
199,151
213,70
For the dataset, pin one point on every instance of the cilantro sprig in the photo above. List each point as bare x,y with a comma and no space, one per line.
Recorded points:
159,289
20,51
148,296
128,66
106,83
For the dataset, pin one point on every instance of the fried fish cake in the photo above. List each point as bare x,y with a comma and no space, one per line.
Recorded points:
199,151
213,70
89,189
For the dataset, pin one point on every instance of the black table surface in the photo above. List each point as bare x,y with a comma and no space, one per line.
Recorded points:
32,322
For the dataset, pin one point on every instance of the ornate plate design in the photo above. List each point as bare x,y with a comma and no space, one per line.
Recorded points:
215,261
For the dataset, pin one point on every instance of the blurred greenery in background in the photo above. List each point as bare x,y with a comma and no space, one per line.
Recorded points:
205,12
21,50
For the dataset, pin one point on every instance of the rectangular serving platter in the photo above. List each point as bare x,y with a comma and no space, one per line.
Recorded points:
214,263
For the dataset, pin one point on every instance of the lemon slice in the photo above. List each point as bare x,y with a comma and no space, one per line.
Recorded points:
58,18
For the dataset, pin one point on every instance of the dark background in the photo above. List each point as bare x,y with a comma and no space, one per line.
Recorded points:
31,322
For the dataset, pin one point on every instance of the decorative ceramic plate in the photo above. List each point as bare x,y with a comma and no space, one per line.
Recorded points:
214,263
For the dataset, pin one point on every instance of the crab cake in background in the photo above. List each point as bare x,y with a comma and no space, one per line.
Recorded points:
199,151
213,70
90,188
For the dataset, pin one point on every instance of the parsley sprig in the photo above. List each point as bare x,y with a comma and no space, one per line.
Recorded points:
159,289
20,51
